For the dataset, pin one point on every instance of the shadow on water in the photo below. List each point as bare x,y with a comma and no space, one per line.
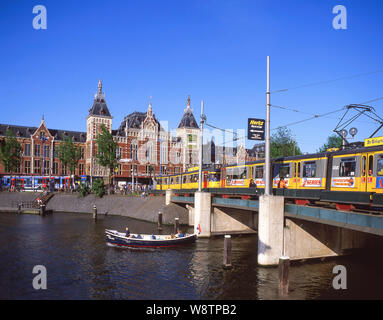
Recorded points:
81,266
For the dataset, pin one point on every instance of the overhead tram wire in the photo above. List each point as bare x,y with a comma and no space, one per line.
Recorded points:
327,81
316,116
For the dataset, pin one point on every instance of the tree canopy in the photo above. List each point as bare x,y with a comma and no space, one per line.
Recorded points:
10,152
282,144
333,141
69,154
106,150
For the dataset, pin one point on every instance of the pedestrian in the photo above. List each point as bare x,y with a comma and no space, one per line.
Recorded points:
282,183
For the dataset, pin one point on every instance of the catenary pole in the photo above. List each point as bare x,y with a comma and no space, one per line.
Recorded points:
267,140
200,150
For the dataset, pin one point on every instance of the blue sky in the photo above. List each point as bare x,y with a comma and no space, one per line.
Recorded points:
211,49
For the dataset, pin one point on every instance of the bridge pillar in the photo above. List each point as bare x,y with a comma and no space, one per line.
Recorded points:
191,215
202,214
270,229
168,196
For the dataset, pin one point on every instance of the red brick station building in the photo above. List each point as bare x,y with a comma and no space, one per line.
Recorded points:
145,148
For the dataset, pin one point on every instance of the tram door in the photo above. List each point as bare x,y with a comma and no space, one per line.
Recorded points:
296,179
205,176
367,173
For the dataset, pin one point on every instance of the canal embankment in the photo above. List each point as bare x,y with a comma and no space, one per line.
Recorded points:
145,209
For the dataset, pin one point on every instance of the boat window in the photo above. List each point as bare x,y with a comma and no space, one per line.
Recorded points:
347,167
379,167
309,169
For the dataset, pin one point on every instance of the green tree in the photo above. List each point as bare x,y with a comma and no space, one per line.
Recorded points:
10,152
69,155
282,144
333,141
98,187
106,150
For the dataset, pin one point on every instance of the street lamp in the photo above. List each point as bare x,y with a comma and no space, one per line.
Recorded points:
43,138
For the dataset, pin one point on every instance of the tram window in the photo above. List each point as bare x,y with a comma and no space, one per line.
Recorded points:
178,180
284,171
309,169
166,180
363,166
213,177
347,167
258,172
299,169
184,179
370,164
379,167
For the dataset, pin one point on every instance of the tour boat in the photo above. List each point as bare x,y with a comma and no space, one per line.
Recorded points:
115,238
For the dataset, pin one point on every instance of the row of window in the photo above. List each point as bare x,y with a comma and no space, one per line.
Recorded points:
40,166
46,151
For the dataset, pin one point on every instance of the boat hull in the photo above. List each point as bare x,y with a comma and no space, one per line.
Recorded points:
117,239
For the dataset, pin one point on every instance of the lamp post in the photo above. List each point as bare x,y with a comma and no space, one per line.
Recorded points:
203,119
43,138
132,173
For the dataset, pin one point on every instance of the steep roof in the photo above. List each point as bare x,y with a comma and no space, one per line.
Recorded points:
99,107
26,132
134,121
188,120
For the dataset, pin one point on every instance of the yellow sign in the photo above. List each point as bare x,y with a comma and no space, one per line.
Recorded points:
332,149
256,122
371,142
193,169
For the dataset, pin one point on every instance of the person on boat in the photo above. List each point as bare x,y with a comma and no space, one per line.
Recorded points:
172,236
127,232
179,234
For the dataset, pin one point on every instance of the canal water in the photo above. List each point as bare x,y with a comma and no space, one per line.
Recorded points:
80,265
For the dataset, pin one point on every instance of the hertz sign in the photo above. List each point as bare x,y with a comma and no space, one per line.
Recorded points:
256,129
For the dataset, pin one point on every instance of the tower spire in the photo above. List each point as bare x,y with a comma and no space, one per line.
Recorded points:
99,86
150,112
188,104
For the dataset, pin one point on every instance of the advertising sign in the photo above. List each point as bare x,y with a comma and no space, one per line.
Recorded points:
256,129
236,182
311,182
346,182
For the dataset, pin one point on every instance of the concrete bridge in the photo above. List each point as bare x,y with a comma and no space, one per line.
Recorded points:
298,231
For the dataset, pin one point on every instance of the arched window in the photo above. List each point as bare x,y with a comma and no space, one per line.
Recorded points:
133,150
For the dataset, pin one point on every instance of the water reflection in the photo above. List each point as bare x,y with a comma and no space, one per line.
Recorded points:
81,266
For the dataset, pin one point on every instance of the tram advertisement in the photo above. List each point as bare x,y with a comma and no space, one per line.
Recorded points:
311,182
346,182
236,182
